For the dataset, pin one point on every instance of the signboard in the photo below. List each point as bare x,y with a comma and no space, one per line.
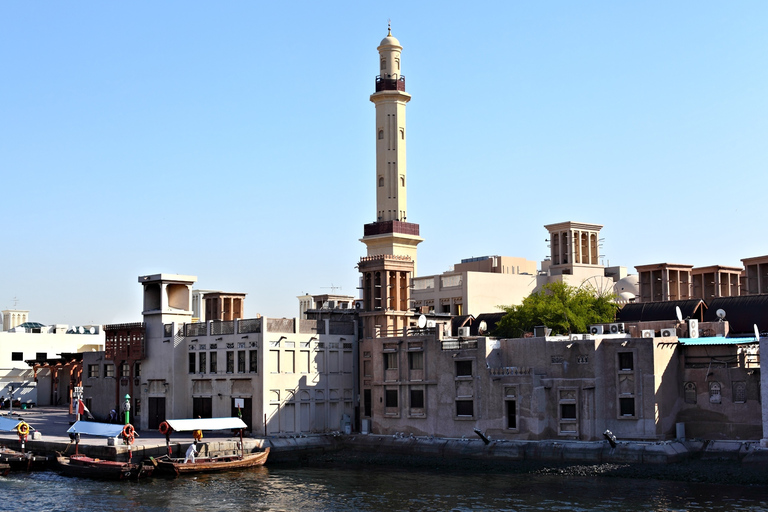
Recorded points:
239,403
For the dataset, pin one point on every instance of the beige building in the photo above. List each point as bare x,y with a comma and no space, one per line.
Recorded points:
475,286
716,281
755,277
286,376
14,317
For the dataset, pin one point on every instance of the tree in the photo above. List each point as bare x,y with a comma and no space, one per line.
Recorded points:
562,308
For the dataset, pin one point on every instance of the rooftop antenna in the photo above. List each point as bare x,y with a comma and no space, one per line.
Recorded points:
332,288
389,27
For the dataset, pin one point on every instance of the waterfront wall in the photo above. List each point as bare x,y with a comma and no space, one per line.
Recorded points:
291,449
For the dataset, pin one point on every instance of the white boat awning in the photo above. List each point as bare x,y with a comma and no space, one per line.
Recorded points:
207,424
93,428
8,424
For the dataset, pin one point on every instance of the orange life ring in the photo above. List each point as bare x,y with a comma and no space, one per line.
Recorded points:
129,439
128,431
164,428
23,429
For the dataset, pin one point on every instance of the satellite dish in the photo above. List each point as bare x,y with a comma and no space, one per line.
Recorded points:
422,321
757,333
720,313
81,330
679,314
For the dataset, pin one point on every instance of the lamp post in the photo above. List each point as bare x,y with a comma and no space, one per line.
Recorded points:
127,408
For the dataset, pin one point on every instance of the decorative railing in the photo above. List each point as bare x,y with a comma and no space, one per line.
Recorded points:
219,327
510,370
196,329
390,84
249,325
458,344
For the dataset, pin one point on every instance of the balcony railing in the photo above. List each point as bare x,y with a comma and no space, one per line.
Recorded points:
390,84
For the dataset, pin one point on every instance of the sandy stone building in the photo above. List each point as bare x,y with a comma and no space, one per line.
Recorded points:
283,375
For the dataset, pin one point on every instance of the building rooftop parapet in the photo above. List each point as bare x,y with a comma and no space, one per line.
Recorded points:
395,257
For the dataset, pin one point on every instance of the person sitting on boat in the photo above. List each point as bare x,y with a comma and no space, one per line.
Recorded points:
191,452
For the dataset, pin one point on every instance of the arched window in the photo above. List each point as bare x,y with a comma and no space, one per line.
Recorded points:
397,63
402,181
381,134
383,63
690,392
402,133
714,393
381,181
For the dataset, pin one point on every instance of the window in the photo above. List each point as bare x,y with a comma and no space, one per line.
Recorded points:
626,361
464,408
367,369
17,356
714,393
137,369
213,365
41,356
192,362
689,390
390,361
739,392
253,361
568,411
417,399
109,370
274,361
125,370
381,136
230,361
463,368
202,363
390,398
381,181
415,360
627,406
241,361
511,414
290,361
93,371
367,402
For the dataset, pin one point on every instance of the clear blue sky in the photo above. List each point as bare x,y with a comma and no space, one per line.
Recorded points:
234,140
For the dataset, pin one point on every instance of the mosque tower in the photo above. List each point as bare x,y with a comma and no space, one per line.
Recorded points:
391,241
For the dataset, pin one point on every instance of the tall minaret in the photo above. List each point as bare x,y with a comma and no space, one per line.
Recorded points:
391,241
390,99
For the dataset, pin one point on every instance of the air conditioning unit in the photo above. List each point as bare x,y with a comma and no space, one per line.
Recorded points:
668,332
577,337
648,333
463,332
431,324
616,328
693,328
595,329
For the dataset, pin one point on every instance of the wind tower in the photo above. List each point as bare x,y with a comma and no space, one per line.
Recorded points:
391,241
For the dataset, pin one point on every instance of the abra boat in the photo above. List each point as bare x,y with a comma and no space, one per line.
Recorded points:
168,465
19,460
80,465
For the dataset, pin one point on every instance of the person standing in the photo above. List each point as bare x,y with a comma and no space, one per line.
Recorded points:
191,452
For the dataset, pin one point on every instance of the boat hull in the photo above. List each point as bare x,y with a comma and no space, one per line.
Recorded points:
22,461
86,467
174,467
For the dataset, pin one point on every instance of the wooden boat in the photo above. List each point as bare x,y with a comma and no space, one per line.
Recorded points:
80,465
86,467
169,465
176,466
19,460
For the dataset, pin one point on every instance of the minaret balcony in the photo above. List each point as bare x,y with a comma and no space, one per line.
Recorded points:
390,84
391,226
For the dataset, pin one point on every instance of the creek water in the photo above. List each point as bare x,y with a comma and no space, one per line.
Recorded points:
305,489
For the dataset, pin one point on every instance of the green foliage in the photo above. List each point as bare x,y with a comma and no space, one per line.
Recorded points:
562,308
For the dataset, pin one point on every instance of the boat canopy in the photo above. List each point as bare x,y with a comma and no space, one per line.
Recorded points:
94,428
207,424
8,424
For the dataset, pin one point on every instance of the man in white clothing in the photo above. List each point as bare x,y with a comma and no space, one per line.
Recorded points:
191,452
